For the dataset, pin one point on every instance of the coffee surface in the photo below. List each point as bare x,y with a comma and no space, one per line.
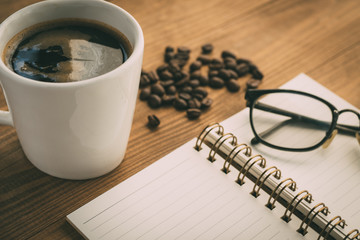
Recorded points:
67,51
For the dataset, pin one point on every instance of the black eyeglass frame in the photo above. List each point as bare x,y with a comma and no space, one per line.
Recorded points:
252,95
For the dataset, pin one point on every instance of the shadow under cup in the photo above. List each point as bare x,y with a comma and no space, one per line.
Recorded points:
73,130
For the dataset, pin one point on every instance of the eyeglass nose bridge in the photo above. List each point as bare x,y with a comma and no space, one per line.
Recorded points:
335,131
330,139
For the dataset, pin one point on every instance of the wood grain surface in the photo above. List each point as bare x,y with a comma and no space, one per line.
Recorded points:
283,38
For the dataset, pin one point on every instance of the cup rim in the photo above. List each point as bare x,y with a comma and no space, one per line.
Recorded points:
138,45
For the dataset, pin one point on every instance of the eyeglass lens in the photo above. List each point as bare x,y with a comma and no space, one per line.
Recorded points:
291,120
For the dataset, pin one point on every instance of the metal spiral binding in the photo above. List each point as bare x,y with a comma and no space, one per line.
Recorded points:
245,170
354,232
247,151
277,175
307,197
292,186
218,143
286,183
340,222
322,208
205,132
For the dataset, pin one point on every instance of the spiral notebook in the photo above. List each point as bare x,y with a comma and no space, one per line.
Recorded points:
218,186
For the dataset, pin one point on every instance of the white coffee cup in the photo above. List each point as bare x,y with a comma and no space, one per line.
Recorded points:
73,130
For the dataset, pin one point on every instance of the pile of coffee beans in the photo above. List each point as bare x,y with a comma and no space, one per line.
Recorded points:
183,86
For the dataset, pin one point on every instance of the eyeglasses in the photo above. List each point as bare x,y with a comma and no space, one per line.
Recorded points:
296,121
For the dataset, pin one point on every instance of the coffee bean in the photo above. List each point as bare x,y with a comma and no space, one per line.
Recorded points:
204,59
178,61
178,76
180,104
198,96
195,74
185,96
171,90
216,64
206,103
253,83
153,121
229,60
157,89
169,49
203,80
242,69
182,62
154,101
145,93
232,85
168,99
161,68
216,82
184,49
193,113
200,90
227,53
207,48
230,65
195,66
255,73
169,56
242,60
216,61
174,67
154,78
184,74
213,73
186,89
182,82
224,74
194,83
167,83
144,81
194,103
182,55
232,73
165,75
213,66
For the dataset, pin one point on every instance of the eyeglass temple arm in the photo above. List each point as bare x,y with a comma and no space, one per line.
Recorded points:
343,128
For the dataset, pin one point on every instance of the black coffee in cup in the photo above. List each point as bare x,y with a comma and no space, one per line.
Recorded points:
66,50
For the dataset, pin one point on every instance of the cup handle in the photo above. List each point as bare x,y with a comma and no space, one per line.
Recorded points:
5,118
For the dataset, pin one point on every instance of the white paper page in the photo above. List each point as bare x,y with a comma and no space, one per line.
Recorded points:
182,196
332,175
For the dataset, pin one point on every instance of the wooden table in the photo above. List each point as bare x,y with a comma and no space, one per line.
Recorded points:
283,38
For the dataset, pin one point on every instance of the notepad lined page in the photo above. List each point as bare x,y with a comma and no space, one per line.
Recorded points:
332,175
181,196
185,196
